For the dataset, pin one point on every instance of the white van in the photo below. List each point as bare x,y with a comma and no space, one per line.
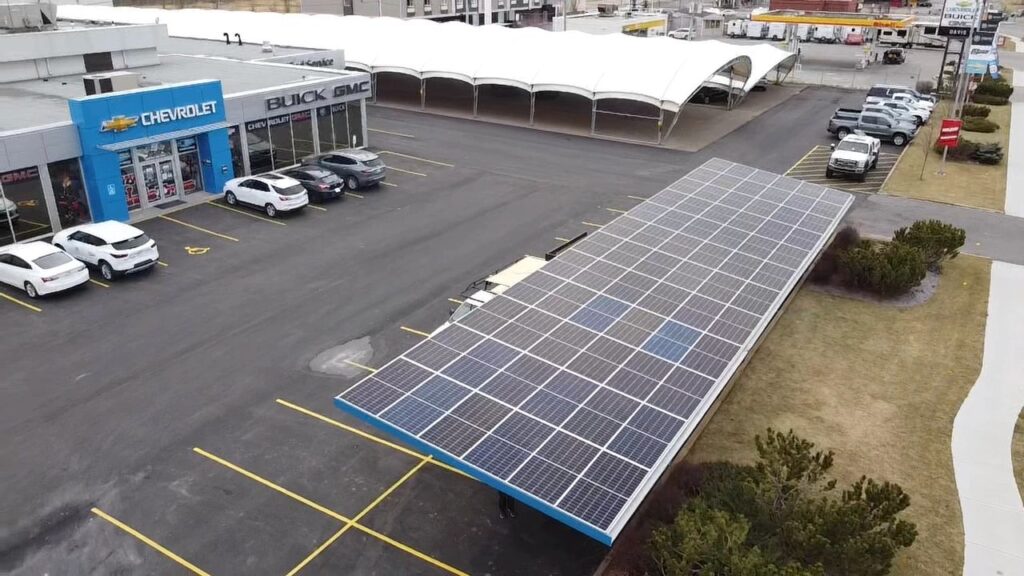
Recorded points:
776,31
826,34
736,28
757,30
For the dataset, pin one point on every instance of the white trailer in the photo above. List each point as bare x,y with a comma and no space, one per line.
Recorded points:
804,32
757,30
826,34
776,31
736,28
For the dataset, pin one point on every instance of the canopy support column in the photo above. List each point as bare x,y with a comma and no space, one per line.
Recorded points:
423,94
373,88
675,119
593,118
661,122
476,98
533,105
729,101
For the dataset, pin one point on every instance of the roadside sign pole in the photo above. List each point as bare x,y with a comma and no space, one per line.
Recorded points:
942,167
10,224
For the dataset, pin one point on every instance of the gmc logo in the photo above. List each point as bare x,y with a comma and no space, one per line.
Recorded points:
349,89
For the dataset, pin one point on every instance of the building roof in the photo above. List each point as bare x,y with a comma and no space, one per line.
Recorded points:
595,23
44,101
659,71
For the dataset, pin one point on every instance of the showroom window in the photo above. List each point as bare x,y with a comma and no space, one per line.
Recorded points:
325,128
131,188
281,141
69,192
188,161
355,124
338,112
235,141
302,134
260,153
23,206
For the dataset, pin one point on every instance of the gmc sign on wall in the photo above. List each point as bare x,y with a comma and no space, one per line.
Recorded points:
314,95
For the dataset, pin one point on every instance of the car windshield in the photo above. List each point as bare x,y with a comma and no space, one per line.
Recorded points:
140,240
858,147
52,260
289,190
373,163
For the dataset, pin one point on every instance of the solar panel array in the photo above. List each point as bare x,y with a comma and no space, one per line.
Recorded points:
576,387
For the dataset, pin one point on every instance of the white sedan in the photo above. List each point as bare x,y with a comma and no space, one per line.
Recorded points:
114,247
271,193
39,268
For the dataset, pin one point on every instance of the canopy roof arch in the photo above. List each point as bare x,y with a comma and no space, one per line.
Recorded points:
660,71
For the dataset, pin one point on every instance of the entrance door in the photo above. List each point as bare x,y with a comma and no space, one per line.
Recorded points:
158,176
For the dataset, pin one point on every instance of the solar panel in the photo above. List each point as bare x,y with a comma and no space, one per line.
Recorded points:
574,389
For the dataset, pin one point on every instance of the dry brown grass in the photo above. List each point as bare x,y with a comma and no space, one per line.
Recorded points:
964,183
878,385
1017,453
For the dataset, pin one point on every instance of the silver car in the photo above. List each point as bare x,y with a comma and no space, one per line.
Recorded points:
358,168
8,211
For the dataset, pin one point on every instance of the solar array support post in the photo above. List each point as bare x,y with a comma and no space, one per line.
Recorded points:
476,98
423,93
533,105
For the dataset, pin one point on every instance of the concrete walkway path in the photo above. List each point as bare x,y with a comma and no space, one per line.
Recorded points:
982,433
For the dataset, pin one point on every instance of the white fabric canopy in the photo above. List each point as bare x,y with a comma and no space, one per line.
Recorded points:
660,71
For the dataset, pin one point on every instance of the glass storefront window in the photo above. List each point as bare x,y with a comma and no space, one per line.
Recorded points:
153,151
302,134
325,128
235,141
131,189
69,193
281,140
257,138
340,126
188,161
355,124
23,206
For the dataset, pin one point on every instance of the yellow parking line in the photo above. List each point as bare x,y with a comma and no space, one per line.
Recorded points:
367,435
414,331
636,197
20,303
194,227
388,184
454,301
148,541
592,224
244,213
358,365
412,472
406,171
320,208
417,158
811,151
560,239
271,485
162,263
98,283
392,133
412,551
327,543
616,210
354,195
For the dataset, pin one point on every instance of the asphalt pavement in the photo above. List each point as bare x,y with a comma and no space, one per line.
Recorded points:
181,403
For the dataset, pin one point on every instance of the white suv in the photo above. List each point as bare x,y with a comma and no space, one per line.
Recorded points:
271,193
114,247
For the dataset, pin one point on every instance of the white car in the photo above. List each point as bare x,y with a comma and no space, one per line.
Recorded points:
8,211
680,34
114,247
40,268
916,103
920,115
271,193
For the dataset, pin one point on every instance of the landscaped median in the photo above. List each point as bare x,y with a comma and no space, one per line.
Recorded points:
964,183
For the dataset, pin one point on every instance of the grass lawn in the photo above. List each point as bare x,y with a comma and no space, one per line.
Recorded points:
964,183
879,386
1017,453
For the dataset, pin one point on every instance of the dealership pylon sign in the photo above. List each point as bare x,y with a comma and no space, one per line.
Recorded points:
958,17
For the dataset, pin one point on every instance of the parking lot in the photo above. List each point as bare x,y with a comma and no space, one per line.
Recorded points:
811,168
172,420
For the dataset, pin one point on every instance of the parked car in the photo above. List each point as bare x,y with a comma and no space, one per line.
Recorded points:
680,34
894,56
359,168
855,155
115,248
887,91
320,183
846,121
907,98
853,39
920,115
8,211
894,114
272,193
40,268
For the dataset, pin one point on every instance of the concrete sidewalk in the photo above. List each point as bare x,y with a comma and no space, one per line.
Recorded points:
982,433
1015,152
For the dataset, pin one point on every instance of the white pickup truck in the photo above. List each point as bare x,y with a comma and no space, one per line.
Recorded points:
483,290
855,155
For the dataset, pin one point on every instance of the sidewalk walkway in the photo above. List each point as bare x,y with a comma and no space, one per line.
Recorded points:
1015,153
982,432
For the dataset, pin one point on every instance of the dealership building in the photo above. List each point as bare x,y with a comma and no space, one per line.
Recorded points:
101,121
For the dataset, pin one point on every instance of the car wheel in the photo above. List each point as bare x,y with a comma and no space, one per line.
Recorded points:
899,139
230,198
828,172
352,182
106,270
31,290
874,163
270,210
862,176
842,133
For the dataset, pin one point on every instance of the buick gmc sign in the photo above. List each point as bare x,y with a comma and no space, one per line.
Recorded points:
314,95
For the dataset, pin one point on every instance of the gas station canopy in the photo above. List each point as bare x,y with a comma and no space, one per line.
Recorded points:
836,19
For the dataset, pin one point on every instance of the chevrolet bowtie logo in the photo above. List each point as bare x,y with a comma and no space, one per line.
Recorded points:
119,123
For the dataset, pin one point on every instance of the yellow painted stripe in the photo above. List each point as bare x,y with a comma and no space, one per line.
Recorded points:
417,158
392,133
353,195
98,283
318,551
194,227
560,239
809,152
358,365
406,171
162,263
455,301
390,489
320,208
20,303
389,184
149,542
271,485
412,551
366,435
244,213
414,331
592,224
636,197
616,210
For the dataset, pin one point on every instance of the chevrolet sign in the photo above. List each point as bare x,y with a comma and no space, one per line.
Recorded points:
119,123
166,115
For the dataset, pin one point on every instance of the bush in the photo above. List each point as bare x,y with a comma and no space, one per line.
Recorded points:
999,88
925,86
963,152
975,111
889,269
825,269
990,154
936,240
975,124
990,100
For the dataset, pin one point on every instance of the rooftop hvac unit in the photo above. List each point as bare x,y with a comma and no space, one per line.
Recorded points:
110,82
23,16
